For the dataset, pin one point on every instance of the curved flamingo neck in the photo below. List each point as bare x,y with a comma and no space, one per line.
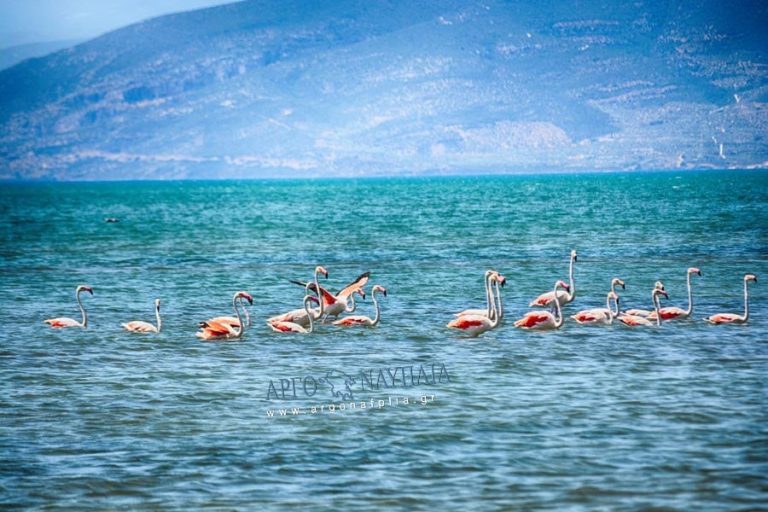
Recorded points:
488,295
241,325
319,296
350,308
84,322
377,317
499,304
307,308
559,313
746,300
656,306
690,297
157,316
608,307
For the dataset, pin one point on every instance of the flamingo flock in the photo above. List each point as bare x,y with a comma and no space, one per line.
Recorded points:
318,304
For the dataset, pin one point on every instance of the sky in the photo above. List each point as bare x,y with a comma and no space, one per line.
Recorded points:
37,21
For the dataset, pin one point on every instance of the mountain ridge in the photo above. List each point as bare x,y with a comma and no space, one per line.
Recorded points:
347,88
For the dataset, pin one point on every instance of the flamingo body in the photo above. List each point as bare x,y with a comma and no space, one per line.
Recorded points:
139,326
364,320
537,320
219,329
62,322
473,325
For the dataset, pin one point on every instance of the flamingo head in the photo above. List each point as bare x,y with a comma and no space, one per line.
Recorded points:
613,296
563,285
157,303
84,288
573,255
658,285
658,291
360,292
312,298
617,281
321,270
500,278
750,277
379,288
246,296
694,270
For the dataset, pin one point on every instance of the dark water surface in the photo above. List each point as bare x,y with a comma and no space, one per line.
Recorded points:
581,419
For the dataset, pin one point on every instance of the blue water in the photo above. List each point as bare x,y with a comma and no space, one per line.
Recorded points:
586,418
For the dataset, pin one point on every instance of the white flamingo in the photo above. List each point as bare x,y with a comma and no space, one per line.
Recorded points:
544,320
599,316
292,327
213,330
300,315
732,318
69,322
673,312
364,320
563,296
139,326
636,320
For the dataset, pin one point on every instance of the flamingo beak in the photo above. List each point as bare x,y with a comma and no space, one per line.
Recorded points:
384,292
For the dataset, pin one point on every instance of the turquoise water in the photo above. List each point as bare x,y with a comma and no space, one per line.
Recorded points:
584,418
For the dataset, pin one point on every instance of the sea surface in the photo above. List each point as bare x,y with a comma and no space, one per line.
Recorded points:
584,418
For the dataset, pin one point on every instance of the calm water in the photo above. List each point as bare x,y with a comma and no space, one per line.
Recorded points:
584,418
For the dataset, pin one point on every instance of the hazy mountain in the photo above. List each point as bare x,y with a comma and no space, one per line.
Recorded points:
346,87
14,54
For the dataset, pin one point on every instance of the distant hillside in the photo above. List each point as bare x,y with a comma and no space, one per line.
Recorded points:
361,87
12,55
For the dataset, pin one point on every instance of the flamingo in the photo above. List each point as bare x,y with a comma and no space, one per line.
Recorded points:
491,277
337,304
732,318
69,322
476,324
644,312
139,326
592,315
292,327
599,316
364,320
636,320
299,316
213,330
673,312
563,297
544,320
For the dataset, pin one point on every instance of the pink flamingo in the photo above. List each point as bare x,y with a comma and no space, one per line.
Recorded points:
636,320
364,320
286,327
599,316
596,314
69,322
673,312
139,326
731,318
544,320
563,297
491,277
300,316
474,325
339,303
213,330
